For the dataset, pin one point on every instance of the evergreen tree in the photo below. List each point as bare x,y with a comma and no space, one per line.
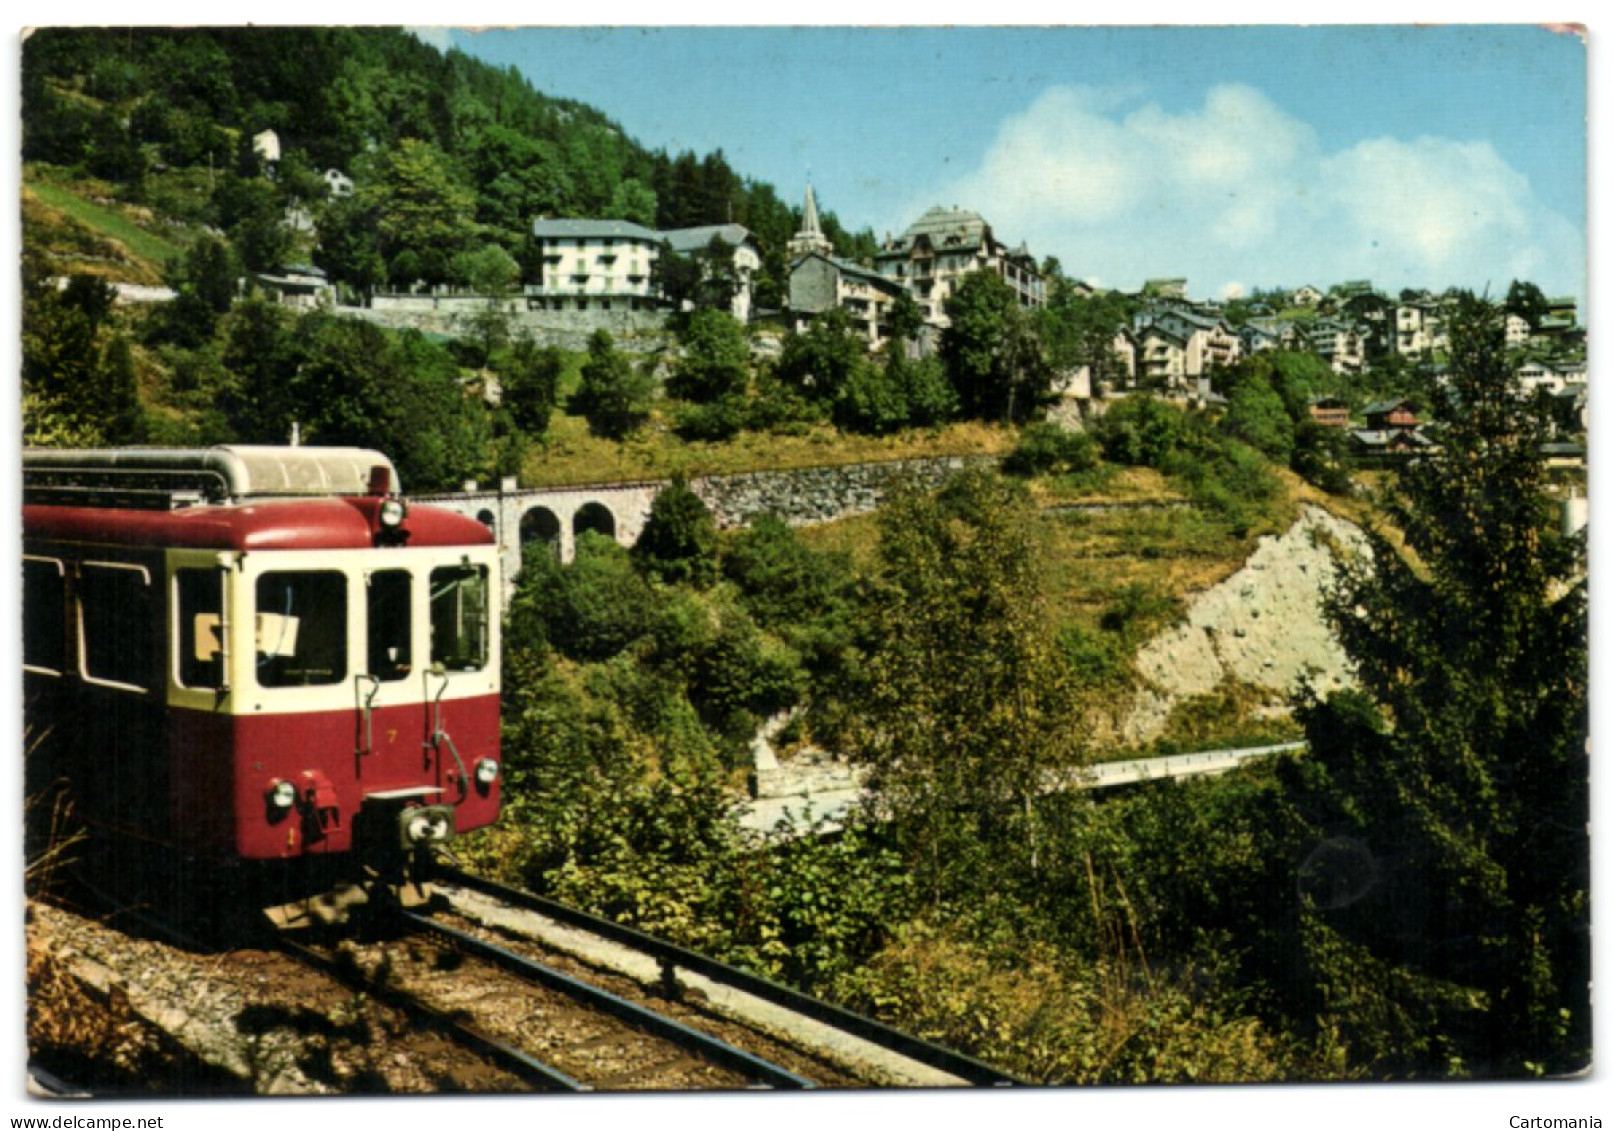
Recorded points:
1447,920
614,396
679,542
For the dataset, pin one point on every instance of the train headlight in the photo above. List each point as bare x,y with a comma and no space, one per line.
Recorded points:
486,772
427,826
282,796
392,513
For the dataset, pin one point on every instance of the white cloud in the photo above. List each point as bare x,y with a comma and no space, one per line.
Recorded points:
1238,191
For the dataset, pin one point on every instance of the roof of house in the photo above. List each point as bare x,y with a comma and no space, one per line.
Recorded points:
852,268
941,225
1377,407
593,229
1383,437
685,240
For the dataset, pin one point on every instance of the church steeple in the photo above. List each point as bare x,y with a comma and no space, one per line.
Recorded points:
810,238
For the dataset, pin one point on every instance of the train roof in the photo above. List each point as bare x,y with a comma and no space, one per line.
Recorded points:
173,477
281,524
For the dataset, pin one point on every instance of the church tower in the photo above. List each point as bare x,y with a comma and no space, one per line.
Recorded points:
810,238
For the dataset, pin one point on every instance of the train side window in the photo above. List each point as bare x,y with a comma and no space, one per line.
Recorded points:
200,597
301,629
459,617
116,636
44,616
389,624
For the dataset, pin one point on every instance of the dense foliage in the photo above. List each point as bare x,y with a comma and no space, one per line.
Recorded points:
1451,795
1409,898
448,155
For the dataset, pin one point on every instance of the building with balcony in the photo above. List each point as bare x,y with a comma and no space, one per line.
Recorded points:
599,265
934,254
820,283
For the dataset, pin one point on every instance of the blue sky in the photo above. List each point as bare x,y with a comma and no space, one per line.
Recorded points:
1235,156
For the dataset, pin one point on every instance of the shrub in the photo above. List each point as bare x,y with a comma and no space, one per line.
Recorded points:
679,542
1140,431
1046,449
589,610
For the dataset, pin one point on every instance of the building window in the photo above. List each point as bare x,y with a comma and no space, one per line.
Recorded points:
199,635
389,624
459,617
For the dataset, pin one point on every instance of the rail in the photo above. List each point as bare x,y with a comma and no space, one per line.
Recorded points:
501,1053
718,1051
671,957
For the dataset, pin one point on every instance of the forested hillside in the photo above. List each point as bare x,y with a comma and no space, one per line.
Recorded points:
168,117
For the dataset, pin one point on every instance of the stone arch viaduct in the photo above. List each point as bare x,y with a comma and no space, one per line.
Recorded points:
556,516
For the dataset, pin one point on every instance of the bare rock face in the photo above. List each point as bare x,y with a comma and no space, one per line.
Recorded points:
1262,627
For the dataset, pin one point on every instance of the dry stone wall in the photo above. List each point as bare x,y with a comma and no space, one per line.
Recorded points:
821,494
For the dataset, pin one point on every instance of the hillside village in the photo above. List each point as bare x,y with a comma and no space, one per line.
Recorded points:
611,274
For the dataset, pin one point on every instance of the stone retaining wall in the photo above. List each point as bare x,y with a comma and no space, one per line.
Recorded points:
633,331
821,494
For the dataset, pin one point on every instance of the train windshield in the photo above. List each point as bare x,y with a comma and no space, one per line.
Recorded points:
459,610
301,628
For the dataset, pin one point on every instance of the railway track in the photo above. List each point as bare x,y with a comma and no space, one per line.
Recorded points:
483,1017
835,1033
483,995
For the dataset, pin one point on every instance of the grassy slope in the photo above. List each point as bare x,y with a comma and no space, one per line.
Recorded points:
103,239
572,455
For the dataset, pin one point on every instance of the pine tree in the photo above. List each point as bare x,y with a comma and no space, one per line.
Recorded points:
1447,918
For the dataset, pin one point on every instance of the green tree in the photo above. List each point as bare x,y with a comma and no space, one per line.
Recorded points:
529,379
820,360
591,609
492,273
348,248
634,201
1527,301
966,709
252,211
1139,431
1255,415
1081,330
679,542
991,350
1447,918
263,355
715,363
78,375
614,395
420,206
675,277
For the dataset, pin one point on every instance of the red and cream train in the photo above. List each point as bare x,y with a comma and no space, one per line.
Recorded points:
252,654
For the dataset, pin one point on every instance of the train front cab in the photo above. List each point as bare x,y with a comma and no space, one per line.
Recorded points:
270,705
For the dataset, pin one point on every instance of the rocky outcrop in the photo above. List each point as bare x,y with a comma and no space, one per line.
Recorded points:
1262,627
